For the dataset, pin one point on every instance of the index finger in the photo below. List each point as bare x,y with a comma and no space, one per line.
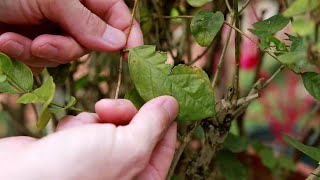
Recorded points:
117,14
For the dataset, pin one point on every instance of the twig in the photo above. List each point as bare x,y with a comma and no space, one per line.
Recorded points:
201,55
273,76
315,175
242,33
136,2
185,140
244,6
224,50
237,51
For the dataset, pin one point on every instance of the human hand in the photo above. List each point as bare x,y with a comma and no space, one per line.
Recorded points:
46,33
88,146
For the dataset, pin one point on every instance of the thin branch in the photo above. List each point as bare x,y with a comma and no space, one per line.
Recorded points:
201,55
244,6
228,6
185,140
224,50
315,175
237,51
241,32
136,2
274,76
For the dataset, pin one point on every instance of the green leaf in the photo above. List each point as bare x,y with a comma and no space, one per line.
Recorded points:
286,162
60,73
44,118
135,98
3,78
198,3
292,57
311,81
205,25
17,74
235,143
312,152
297,43
230,167
46,93
71,102
265,28
29,98
300,7
189,85
303,27
268,158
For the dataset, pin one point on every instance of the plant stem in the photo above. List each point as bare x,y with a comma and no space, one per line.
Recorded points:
237,51
315,175
136,2
185,140
273,76
224,50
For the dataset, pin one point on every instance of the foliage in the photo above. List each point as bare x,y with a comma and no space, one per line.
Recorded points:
210,101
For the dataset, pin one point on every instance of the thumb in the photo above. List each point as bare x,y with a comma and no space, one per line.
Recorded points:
152,121
85,26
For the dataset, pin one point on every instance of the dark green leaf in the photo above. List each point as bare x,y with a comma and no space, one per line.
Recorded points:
311,81
297,43
60,73
135,98
189,85
205,25
300,7
269,26
230,167
312,152
235,143
198,3
17,74
268,158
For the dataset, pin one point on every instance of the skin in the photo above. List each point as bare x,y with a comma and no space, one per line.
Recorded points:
89,146
46,33
118,142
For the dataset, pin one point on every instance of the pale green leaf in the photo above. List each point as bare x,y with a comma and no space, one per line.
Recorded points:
135,98
17,74
311,81
29,98
230,167
3,78
46,93
189,85
303,27
71,102
312,152
300,7
292,57
205,25
198,3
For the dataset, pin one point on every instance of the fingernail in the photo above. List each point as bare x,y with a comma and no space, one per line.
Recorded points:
114,36
47,52
170,105
13,48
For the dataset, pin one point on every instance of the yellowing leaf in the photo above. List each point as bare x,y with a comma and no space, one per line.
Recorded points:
189,85
300,7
